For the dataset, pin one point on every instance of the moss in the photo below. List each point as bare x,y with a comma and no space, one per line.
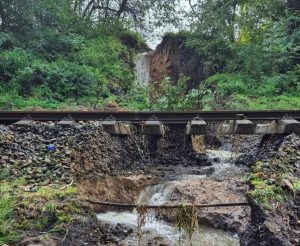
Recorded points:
267,184
8,234
296,185
266,193
53,192
4,174
48,209
64,218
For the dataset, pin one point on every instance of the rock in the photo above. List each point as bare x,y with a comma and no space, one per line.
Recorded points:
209,190
289,185
38,242
27,188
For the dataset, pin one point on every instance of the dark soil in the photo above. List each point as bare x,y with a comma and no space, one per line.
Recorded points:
86,151
89,231
279,224
173,58
101,153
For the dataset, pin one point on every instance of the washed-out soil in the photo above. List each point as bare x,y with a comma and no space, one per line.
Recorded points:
86,155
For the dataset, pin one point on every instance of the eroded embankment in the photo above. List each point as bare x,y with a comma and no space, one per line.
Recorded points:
129,163
119,169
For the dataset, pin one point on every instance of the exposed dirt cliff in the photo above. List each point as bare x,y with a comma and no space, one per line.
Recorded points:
173,58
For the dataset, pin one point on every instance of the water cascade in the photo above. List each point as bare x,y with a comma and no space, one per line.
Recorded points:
142,66
158,195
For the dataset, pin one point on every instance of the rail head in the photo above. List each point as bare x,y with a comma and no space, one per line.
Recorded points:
172,117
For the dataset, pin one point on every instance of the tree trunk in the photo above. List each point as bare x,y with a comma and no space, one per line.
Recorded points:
106,11
122,8
2,17
91,2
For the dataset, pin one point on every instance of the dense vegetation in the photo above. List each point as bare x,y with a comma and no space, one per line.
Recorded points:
79,53
250,51
51,56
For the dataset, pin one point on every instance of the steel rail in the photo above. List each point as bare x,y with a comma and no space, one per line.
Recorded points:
137,117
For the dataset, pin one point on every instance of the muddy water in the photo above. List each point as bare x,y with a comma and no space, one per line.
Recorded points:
168,233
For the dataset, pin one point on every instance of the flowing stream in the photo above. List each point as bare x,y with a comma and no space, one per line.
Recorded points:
158,195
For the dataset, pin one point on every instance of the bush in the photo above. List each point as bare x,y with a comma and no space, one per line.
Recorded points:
59,80
107,55
57,69
7,41
176,97
227,84
52,45
136,99
214,51
290,82
11,61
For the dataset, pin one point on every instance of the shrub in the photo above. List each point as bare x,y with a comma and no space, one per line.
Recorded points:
52,45
7,41
59,80
11,61
107,55
227,84
290,82
176,97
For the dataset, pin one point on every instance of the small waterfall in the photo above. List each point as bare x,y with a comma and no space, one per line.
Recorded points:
142,69
159,195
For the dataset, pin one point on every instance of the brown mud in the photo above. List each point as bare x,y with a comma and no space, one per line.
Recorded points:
118,168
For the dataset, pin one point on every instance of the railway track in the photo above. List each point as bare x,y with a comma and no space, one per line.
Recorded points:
137,117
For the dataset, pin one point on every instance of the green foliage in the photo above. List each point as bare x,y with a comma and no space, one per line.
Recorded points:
176,97
4,174
50,208
7,41
52,194
64,69
50,45
251,49
55,53
7,223
104,54
214,52
172,95
264,192
11,61
290,82
236,91
296,185
269,179
135,99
